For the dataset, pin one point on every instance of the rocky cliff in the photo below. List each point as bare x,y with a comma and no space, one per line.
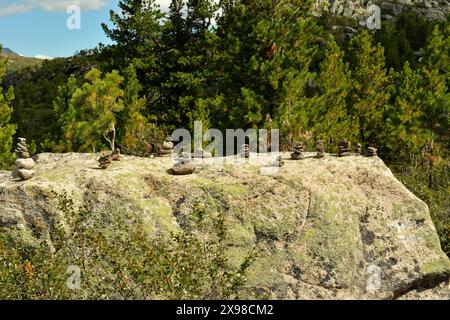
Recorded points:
360,9
334,228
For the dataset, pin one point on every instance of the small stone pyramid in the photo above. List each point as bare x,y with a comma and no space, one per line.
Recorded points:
245,151
345,148
371,152
24,164
105,161
167,147
359,149
320,149
298,150
116,155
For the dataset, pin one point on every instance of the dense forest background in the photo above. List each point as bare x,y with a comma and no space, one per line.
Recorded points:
244,64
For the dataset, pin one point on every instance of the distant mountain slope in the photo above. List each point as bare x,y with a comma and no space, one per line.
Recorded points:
17,62
9,52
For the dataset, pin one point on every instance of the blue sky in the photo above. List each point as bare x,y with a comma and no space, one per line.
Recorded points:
38,27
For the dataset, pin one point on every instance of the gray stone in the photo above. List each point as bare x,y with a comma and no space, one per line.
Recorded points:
182,168
25,174
25,163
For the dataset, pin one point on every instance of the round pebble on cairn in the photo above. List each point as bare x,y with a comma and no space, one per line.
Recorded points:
298,150
345,148
371,152
245,151
167,148
320,149
24,163
105,161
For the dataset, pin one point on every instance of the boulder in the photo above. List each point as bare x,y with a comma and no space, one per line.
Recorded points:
335,228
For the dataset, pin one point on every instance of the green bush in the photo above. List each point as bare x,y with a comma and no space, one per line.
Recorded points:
119,260
432,185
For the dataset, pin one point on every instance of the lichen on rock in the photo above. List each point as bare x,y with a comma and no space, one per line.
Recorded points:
334,228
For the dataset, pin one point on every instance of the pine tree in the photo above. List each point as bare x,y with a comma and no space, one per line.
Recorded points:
138,135
370,86
266,48
61,136
404,132
137,32
7,130
92,112
330,116
187,61
435,73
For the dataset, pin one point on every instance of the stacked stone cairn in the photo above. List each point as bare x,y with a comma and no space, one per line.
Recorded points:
371,152
24,163
245,151
345,148
320,149
116,155
105,161
359,149
167,148
184,166
298,150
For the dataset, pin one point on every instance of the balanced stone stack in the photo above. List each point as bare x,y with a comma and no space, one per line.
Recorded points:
183,166
320,149
105,161
278,162
298,150
24,164
245,151
167,148
371,152
345,148
115,155
359,149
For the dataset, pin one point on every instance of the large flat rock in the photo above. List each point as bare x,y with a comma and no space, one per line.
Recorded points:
333,228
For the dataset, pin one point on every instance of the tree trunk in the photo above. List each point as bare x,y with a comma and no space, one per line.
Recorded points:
113,140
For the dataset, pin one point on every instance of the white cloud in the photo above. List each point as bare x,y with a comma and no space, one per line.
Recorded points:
62,5
12,9
43,57
21,6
